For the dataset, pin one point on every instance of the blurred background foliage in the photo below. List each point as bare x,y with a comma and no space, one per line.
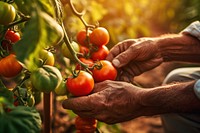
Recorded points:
133,18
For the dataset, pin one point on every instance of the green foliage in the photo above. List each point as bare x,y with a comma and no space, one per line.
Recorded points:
40,31
4,92
20,119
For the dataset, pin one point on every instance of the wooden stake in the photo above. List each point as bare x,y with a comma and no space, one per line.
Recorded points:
47,104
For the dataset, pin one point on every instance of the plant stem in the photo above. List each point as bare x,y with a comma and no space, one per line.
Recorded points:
79,15
73,52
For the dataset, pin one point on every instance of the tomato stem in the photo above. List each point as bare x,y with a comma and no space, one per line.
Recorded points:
79,15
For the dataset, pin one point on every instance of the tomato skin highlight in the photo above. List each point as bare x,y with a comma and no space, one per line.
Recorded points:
107,72
99,36
7,13
100,54
9,66
81,85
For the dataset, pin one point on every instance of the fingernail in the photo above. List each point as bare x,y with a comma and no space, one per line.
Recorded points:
116,62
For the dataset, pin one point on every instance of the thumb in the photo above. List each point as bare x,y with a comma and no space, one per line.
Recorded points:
123,58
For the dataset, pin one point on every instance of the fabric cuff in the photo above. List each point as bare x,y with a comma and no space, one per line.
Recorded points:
193,29
197,88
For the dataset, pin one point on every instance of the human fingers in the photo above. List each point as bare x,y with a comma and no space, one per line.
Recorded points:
78,104
120,47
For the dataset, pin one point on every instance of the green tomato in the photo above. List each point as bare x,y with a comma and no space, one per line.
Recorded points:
61,90
46,78
66,52
46,57
7,13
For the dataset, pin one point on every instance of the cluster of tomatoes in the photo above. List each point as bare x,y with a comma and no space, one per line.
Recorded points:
8,61
92,46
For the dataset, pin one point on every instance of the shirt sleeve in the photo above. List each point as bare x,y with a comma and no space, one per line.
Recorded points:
193,29
197,88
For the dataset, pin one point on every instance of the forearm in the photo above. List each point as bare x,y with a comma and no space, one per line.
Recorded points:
179,47
174,98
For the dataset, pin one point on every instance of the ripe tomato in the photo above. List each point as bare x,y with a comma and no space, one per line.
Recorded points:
89,62
66,52
46,78
12,36
84,50
9,66
47,57
99,36
7,13
100,54
85,125
82,37
80,85
106,72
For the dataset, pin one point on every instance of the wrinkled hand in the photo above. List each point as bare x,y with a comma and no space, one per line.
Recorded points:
134,56
111,102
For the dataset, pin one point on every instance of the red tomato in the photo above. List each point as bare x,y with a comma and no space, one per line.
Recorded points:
9,66
106,72
84,50
100,54
80,85
85,125
99,36
82,37
89,62
12,36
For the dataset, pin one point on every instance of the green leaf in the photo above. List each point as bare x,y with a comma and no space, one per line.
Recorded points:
40,32
20,119
4,92
27,6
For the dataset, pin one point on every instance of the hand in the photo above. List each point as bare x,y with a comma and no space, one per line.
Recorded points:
111,102
133,57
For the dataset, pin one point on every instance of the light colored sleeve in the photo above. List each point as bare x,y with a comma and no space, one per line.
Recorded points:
193,29
197,88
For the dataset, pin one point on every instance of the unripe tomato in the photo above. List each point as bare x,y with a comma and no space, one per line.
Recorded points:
47,57
9,66
61,90
46,78
85,125
7,13
100,54
66,52
99,36
80,85
106,72
12,36
82,37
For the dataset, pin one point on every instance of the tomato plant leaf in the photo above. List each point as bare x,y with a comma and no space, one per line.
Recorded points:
40,31
4,92
20,119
